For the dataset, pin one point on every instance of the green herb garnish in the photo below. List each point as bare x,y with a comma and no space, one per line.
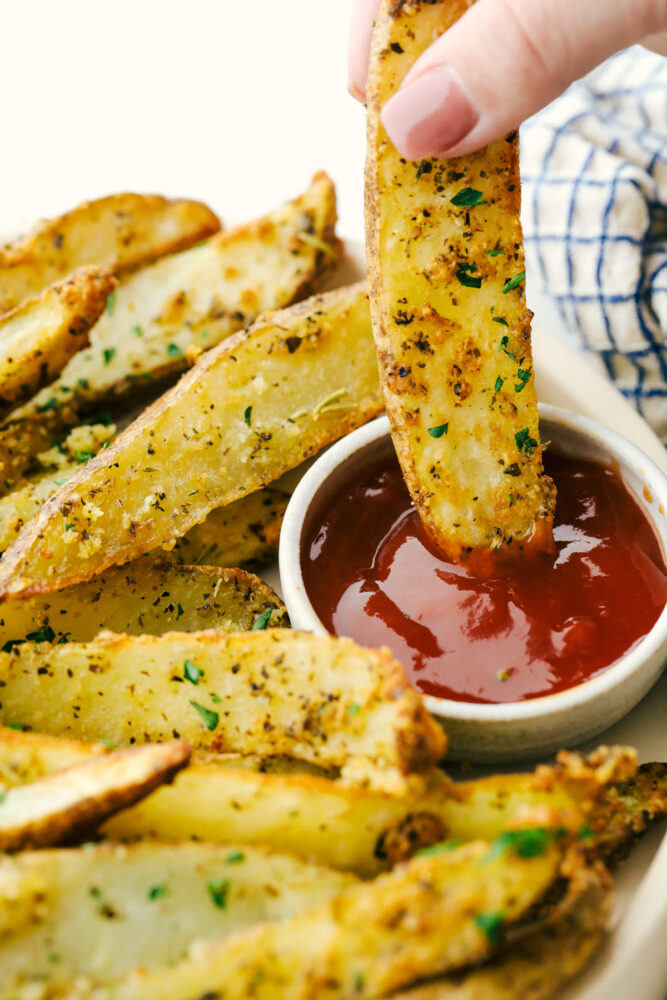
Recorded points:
192,672
468,197
247,414
499,384
499,319
491,924
218,889
235,857
111,304
209,718
514,282
262,621
157,892
437,432
109,355
174,351
525,441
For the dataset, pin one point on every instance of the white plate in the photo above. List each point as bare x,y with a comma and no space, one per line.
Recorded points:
633,963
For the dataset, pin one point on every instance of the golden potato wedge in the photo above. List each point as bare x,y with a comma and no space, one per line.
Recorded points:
106,909
446,273
426,917
145,597
63,461
77,800
119,232
21,441
364,831
38,337
251,408
245,532
323,700
194,299
541,962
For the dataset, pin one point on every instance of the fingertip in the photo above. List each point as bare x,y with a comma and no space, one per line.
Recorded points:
359,43
354,91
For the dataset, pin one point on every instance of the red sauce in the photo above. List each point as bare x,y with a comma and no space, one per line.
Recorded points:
555,621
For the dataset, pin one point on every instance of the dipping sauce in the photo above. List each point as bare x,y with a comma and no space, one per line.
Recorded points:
372,574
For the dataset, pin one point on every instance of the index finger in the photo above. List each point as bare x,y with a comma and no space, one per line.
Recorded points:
359,43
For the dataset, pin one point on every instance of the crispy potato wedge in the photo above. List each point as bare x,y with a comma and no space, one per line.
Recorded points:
63,461
540,963
251,408
446,271
366,832
119,231
145,597
430,915
194,299
323,700
106,909
245,532
40,335
76,801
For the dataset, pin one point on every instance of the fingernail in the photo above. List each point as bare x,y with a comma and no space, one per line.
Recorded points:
429,116
355,91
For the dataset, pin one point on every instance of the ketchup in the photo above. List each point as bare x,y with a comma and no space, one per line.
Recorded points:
371,573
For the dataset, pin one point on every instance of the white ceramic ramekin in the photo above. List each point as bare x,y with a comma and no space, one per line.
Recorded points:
525,729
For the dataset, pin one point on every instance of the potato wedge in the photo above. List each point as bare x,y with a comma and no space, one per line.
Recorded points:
366,832
326,701
540,963
63,461
194,299
119,231
252,408
145,597
245,532
76,801
38,337
106,909
446,272
430,915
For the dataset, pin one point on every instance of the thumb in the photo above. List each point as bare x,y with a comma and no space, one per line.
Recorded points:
503,61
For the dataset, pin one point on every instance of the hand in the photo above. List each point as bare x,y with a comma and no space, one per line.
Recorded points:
499,64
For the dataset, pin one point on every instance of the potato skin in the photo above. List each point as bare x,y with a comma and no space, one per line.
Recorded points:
452,332
39,336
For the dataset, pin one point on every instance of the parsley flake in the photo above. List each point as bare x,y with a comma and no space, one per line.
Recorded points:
523,377
514,282
262,621
499,319
137,331
466,277
109,355
111,304
499,384
491,924
354,708
218,888
157,892
468,198
247,414
525,441
192,672
437,432
179,611
209,718
174,351
235,857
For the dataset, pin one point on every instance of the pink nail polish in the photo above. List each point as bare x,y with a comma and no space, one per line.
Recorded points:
429,116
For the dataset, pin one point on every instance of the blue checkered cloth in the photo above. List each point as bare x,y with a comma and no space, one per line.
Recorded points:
594,172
